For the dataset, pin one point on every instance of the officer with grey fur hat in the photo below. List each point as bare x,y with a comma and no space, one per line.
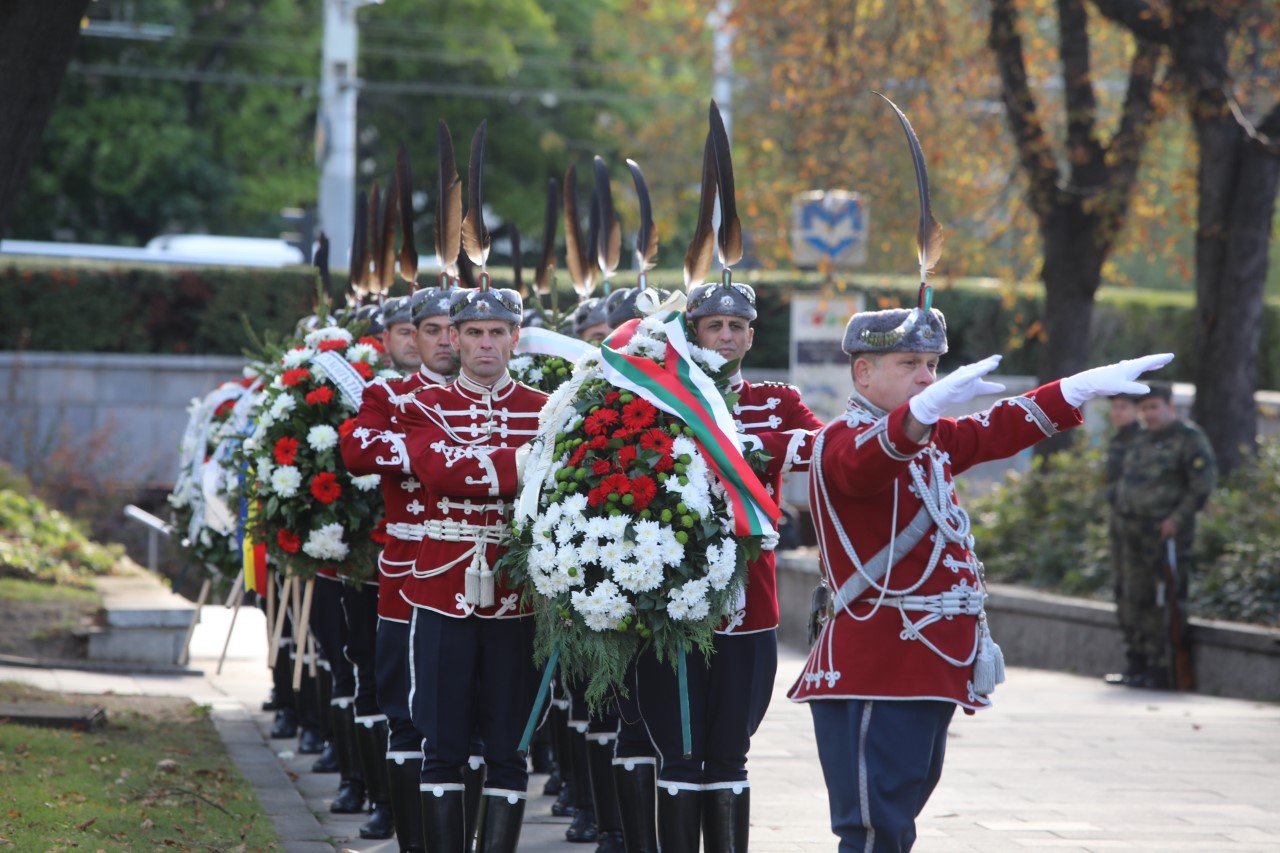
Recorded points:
906,632
399,335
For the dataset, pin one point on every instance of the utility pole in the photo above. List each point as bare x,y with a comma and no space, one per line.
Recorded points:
336,123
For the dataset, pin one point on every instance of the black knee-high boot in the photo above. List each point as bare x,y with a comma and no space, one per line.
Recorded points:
583,828
604,795
443,821
406,806
350,799
371,747
679,820
637,803
726,819
558,720
500,822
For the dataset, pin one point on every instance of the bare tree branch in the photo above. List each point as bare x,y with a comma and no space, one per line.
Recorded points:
1144,18
1083,150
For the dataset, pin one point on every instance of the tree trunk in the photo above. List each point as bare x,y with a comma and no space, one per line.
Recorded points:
36,43
1237,193
1072,272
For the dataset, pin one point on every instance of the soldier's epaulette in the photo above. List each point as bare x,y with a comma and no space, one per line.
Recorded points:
772,384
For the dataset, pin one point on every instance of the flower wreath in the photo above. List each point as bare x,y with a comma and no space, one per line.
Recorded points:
204,525
625,532
545,359
308,510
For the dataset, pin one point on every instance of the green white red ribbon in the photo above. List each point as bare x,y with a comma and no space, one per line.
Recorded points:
679,387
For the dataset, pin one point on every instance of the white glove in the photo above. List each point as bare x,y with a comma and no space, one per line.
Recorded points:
959,386
1112,379
750,442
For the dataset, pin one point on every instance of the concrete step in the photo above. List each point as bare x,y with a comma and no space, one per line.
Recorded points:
145,621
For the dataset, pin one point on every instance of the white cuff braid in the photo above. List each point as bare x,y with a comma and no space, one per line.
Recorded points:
959,386
1118,378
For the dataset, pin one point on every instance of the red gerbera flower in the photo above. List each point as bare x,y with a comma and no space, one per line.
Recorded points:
373,342
577,456
346,427
325,488
638,414
322,394
626,456
644,490
616,484
656,439
601,467
335,345
288,542
597,496
285,451
600,442
666,463
293,377
612,397
599,421
363,368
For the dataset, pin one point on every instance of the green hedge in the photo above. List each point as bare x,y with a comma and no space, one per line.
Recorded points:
97,307
1048,529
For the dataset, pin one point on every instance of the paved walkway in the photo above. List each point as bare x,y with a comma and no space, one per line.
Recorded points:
1060,764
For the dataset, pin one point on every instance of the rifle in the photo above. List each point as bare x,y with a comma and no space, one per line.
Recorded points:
1182,676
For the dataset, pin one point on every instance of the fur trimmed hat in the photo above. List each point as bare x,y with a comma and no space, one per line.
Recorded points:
432,302
732,299
896,330
590,312
397,310
486,303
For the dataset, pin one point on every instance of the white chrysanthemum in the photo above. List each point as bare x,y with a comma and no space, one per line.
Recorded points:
364,352
652,326
388,373
263,466
520,364
588,551
710,360
597,527
689,602
553,513
277,384
721,562
647,551
682,445
564,533
647,531
328,333
297,357
617,526
574,506
367,483
611,554
283,405
542,525
602,608
322,437
535,375
285,481
326,543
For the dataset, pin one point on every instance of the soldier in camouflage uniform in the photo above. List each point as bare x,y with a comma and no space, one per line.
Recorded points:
1124,417
1166,477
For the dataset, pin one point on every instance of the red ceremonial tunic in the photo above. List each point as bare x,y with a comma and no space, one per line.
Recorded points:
462,442
772,412
376,446
887,517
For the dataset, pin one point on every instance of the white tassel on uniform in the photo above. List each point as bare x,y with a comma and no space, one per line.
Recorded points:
471,589
988,669
486,587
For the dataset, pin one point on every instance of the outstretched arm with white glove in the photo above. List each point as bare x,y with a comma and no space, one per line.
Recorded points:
959,386
1118,378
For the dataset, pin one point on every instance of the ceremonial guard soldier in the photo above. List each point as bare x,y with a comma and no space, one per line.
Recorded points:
905,638
471,652
728,693
376,446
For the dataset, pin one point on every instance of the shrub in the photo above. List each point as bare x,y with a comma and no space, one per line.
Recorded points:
1048,529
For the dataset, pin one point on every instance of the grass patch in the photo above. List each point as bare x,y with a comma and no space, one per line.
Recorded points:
19,590
156,777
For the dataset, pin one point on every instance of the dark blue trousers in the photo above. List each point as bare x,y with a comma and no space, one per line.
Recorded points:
360,606
881,760
329,626
472,676
728,696
392,675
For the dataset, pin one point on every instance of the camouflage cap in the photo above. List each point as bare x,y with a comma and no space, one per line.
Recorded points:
486,303
896,330
432,302
732,299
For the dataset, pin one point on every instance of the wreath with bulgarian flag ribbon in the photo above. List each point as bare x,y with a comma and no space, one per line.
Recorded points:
545,359
638,512
302,504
